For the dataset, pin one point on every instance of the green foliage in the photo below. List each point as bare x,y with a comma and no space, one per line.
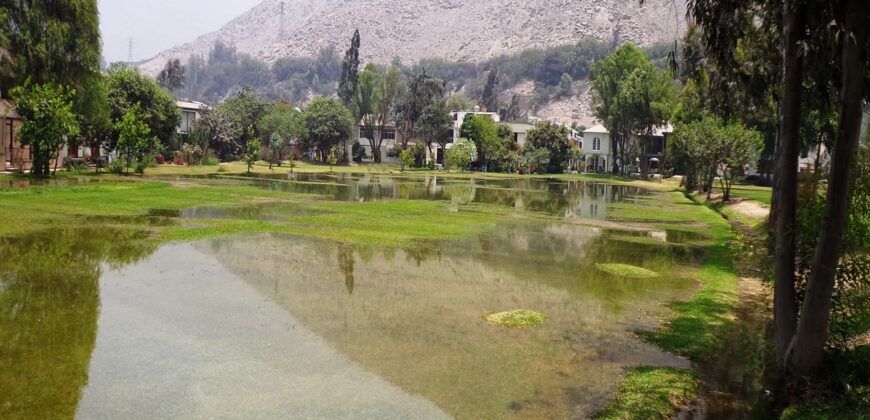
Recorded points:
461,154
518,318
652,393
54,43
406,157
553,138
171,77
252,153
626,270
459,102
535,160
434,123
348,85
484,132
127,90
281,124
423,97
632,97
46,112
708,148
328,123
332,159
850,312
193,154
489,98
565,87
134,138
221,134
358,152
245,109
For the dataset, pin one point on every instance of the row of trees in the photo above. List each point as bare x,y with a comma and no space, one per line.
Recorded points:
297,79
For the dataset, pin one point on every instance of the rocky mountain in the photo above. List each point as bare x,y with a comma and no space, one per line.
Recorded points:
459,30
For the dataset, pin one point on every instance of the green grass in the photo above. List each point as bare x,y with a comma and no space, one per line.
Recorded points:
651,393
518,318
699,322
397,223
628,271
696,325
750,192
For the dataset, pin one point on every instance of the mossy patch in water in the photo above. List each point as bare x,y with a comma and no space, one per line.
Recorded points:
518,318
625,270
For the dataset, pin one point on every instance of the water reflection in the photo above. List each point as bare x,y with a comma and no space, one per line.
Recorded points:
49,303
414,316
566,198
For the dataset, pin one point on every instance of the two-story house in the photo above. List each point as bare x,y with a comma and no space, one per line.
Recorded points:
596,149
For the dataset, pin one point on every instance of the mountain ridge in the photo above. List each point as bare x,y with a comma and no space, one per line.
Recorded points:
450,29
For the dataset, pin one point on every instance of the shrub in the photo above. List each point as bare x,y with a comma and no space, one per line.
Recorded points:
406,157
210,160
358,152
116,167
160,159
461,154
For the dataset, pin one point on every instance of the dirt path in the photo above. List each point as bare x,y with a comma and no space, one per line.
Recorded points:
750,208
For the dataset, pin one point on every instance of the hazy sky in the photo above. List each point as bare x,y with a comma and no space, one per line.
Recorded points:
156,25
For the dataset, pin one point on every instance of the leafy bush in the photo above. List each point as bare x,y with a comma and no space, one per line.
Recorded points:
358,152
461,154
406,157
116,167
210,160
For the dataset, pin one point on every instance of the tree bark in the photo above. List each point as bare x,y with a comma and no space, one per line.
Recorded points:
808,349
784,297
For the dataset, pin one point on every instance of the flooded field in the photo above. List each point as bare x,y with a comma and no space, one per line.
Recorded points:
103,321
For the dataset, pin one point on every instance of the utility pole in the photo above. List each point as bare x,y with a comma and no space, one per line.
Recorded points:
281,21
130,50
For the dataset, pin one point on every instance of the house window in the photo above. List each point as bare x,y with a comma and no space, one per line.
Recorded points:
187,119
596,144
389,134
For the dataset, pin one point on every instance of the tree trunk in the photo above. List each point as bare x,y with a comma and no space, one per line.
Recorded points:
784,298
808,348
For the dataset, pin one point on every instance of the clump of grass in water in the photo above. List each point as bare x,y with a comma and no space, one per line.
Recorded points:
651,393
625,270
519,318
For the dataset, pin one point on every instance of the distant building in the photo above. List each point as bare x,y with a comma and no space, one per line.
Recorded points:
596,148
190,112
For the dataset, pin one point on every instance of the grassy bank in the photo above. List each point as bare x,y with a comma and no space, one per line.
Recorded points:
696,325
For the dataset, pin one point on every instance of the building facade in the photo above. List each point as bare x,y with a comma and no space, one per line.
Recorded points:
596,149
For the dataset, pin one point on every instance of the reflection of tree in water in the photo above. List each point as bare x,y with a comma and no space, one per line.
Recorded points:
345,264
49,304
460,193
346,255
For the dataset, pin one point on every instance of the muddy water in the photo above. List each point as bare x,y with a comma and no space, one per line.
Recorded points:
106,323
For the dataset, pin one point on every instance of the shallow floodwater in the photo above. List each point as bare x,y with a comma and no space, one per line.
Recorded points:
104,323
566,198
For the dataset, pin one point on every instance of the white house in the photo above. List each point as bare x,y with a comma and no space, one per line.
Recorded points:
596,149
190,112
600,158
